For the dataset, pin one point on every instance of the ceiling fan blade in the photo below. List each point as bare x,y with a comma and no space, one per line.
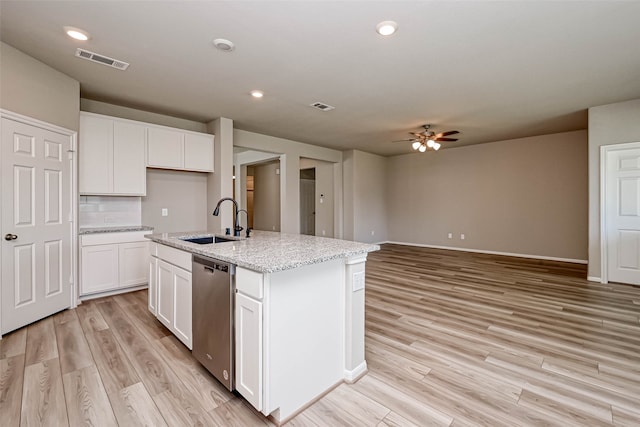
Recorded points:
451,132
445,139
404,140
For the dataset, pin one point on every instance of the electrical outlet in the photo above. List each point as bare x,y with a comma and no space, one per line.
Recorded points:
373,233
165,212
462,237
450,235
324,232
357,281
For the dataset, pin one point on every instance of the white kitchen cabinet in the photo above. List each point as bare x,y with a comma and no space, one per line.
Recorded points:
181,150
172,289
112,156
248,331
153,286
113,262
99,268
165,148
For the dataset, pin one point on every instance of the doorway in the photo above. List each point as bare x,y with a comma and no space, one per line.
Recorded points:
308,201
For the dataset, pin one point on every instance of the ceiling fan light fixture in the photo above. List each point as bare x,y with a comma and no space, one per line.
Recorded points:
436,146
386,28
416,145
430,143
422,148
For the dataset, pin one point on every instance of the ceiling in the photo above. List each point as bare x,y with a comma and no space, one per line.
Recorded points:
492,70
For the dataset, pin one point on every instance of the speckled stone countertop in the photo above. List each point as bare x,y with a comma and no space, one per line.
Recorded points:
267,251
114,229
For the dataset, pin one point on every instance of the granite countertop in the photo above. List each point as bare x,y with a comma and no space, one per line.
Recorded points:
267,251
113,229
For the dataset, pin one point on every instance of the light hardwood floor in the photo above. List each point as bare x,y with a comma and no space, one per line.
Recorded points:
452,338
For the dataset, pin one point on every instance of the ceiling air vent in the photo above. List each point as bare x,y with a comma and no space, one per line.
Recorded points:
101,59
322,106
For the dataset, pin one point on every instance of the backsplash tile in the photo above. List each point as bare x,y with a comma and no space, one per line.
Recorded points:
107,211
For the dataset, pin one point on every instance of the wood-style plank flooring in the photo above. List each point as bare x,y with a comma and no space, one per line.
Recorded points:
452,339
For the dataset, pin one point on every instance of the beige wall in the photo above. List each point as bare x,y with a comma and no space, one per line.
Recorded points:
526,196
266,196
290,154
31,88
325,192
365,197
184,194
608,124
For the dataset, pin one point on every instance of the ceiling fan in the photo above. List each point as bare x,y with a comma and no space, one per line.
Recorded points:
429,139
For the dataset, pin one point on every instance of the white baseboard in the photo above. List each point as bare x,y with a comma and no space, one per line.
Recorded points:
350,376
480,251
594,279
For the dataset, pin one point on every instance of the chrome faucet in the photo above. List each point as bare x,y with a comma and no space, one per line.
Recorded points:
236,224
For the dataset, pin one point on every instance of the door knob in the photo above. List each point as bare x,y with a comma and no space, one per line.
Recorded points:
10,237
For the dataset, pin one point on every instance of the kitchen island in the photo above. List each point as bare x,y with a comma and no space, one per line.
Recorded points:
299,311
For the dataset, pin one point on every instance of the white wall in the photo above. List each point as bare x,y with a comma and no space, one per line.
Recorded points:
525,196
365,197
31,88
608,124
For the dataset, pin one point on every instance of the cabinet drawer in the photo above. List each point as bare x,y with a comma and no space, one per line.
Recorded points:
109,238
175,256
249,282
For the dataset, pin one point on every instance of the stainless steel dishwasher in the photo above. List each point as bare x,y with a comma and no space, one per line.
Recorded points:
213,317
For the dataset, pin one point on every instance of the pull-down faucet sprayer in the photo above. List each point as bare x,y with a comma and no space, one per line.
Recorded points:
236,225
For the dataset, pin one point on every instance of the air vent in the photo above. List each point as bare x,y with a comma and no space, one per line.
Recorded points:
101,59
322,106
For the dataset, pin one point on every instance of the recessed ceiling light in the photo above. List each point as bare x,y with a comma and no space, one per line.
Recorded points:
76,33
386,28
224,45
257,93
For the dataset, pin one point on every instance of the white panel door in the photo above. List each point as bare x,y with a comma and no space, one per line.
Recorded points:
36,227
623,215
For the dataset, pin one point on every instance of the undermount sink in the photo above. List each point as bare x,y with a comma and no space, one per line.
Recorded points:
206,240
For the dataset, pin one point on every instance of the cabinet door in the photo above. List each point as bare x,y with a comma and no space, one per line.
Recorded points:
165,148
99,265
164,278
198,152
129,164
249,349
182,306
96,155
133,263
153,285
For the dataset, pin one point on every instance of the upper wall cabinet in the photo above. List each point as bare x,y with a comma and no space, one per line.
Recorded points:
112,156
182,150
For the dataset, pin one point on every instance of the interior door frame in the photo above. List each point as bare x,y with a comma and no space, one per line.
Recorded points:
73,158
604,151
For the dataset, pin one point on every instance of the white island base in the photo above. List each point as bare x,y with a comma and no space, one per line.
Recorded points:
299,333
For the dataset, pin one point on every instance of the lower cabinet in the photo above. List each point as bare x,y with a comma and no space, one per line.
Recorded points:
113,261
170,291
249,349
